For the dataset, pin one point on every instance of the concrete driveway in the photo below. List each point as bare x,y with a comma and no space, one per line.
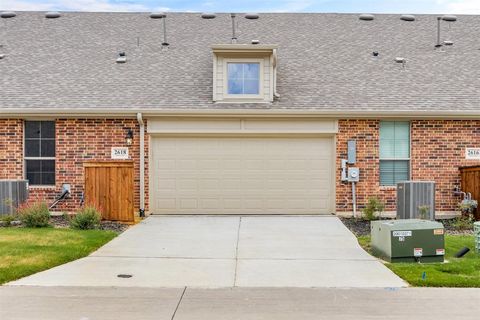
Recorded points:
227,251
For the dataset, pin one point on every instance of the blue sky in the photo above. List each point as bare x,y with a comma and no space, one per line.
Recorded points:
374,6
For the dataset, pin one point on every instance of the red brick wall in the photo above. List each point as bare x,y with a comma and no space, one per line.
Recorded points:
77,140
11,149
438,149
365,132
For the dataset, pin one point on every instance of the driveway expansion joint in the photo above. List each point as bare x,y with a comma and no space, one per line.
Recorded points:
236,252
160,257
178,304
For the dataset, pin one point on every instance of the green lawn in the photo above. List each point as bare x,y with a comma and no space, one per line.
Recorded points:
455,272
26,251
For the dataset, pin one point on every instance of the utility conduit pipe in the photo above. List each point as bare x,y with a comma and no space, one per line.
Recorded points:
354,200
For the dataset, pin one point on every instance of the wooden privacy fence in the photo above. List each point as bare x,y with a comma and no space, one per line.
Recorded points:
470,182
109,186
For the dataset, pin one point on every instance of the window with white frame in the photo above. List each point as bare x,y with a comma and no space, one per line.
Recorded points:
243,78
394,152
40,152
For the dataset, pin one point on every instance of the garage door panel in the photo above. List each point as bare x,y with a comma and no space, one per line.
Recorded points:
166,164
231,164
188,204
209,203
186,164
167,204
209,184
186,184
168,185
319,204
241,175
232,204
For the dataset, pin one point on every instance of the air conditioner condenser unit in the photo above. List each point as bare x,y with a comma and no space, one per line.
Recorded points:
416,200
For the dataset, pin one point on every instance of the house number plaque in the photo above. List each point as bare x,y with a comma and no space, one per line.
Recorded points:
119,153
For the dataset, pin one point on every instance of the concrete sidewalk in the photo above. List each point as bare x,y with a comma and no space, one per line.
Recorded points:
42,303
227,251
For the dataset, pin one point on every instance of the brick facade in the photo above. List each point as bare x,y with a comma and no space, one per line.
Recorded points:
77,140
437,150
11,149
366,134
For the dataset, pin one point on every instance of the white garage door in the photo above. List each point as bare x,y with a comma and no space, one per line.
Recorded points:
253,175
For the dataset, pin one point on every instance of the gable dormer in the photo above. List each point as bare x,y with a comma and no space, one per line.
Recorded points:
244,73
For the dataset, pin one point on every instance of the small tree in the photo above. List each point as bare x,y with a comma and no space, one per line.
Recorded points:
373,209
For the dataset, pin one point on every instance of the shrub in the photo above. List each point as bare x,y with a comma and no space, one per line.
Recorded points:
34,215
373,209
467,206
87,218
463,223
8,219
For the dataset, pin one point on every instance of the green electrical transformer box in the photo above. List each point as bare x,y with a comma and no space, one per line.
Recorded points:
408,240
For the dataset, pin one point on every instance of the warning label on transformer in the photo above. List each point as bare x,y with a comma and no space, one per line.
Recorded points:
402,233
417,252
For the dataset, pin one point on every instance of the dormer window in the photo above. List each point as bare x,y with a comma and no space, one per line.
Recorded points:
244,73
243,78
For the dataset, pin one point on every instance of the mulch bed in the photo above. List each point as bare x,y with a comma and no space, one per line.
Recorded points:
361,227
448,224
62,222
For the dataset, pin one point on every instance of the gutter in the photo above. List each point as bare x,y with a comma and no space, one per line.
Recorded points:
142,164
213,112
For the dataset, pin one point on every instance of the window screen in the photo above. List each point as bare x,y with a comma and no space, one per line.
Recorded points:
40,152
394,152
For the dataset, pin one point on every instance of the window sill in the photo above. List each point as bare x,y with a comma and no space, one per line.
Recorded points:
386,188
246,100
41,187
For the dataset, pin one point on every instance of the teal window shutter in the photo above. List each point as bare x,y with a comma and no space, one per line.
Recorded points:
394,152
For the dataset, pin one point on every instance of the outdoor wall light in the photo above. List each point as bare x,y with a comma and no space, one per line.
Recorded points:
129,137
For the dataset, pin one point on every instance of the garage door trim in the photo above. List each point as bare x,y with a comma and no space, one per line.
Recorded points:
242,126
274,133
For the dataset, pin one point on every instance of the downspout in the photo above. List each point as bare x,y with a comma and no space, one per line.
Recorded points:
142,165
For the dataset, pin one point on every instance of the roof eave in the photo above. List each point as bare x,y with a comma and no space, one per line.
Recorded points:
155,112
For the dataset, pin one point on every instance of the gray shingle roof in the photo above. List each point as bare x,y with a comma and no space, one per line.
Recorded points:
325,62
